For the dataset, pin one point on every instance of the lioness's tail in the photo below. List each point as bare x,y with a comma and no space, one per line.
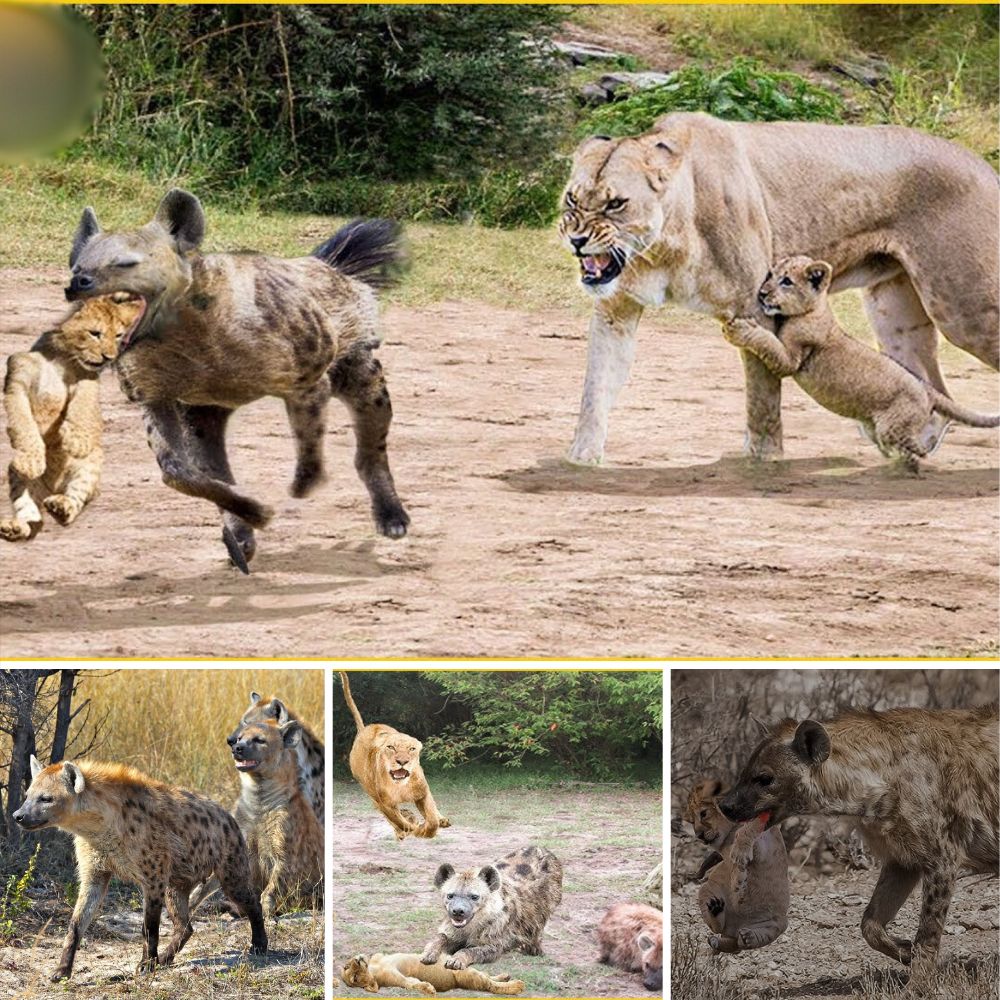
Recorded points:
956,411
359,722
370,250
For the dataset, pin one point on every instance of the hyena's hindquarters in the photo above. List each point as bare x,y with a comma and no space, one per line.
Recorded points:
357,380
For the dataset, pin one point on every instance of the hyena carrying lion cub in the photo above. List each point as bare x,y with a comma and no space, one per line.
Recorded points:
128,826
923,787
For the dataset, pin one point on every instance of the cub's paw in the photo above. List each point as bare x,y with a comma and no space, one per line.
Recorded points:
715,941
63,508
444,822
16,530
715,906
28,464
424,987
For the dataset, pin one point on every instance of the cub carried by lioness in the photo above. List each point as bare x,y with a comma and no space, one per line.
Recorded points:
893,406
53,407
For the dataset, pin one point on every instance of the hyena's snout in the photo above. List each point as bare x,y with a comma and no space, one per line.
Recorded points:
28,819
736,807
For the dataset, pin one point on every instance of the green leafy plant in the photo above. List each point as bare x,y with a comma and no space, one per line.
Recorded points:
14,902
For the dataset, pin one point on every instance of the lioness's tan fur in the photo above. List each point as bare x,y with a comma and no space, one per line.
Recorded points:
53,406
706,205
378,751
893,406
408,972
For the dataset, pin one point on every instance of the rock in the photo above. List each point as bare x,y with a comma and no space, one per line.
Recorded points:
636,81
581,53
980,922
954,929
852,899
870,71
593,93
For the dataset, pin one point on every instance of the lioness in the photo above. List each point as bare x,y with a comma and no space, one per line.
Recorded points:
694,211
52,399
892,405
386,763
410,973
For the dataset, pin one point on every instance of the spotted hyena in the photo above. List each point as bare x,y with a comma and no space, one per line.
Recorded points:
501,907
309,750
630,936
923,787
128,826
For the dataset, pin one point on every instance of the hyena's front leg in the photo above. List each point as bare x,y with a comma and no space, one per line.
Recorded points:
894,886
307,418
93,886
357,380
610,352
433,949
80,481
27,519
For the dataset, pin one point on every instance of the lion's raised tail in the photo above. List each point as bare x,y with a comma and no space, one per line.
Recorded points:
949,408
350,701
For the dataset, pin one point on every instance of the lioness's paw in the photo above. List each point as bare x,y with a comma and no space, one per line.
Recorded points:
28,464
584,455
63,508
444,822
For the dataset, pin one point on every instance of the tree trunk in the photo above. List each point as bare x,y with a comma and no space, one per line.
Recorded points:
67,678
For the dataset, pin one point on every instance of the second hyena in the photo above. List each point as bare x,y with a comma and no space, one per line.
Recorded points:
498,908
128,826
923,786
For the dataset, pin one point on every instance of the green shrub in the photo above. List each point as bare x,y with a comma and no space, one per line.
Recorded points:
14,902
743,91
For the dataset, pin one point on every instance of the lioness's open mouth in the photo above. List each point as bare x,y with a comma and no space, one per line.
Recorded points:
400,774
600,268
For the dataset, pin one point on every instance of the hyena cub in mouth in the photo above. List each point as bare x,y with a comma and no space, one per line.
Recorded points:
128,826
501,907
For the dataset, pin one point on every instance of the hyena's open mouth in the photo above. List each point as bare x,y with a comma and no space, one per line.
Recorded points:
600,268
247,765
459,921
400,774
131,297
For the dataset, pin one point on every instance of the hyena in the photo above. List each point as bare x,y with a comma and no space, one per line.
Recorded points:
309,751
630,936
501,907
923,786
218,331
128,826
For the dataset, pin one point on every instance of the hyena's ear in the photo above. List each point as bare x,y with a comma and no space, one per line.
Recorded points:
279,711
491,877
73,777
86,230
182,216
291,733
644,942
36,767
442,875
811,743
254,698
762,726
819,274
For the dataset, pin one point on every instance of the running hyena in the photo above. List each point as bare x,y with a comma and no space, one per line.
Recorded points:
923,786
134,828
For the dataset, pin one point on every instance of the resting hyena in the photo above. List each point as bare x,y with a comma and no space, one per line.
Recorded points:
630,936
923,786
134,828
501,907
309,751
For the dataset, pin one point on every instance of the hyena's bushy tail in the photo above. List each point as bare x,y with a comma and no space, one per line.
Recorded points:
962,414
350,701
370,250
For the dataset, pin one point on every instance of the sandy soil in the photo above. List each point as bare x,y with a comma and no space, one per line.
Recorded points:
384,898
677,547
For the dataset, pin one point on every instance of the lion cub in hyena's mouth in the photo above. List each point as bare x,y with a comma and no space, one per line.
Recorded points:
410,973
54,415
501,907
892,405
745,897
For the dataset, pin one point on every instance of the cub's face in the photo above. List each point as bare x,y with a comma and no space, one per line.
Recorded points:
356,974
612,209
794,286
91,334
702,812
399,755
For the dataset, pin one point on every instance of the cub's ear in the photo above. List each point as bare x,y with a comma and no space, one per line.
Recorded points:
73,777
716,788
36,767
819,274
291,733
182,216
491,877
86,230
811,743
442,875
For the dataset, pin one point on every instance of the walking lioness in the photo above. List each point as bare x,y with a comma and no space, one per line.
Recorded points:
923,787
893,406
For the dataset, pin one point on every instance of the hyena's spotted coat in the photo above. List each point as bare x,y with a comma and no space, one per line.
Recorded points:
131,827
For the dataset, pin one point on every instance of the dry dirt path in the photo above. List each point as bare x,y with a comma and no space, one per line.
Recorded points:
677,547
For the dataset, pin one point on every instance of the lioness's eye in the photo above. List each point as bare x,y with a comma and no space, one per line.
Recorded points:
786,281
570,200
615,204
391,749
763,780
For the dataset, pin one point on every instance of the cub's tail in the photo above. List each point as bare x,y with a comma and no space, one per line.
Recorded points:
949,408
370,250
350,701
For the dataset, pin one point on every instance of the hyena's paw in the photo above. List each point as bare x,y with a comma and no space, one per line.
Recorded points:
715,905
238,538
390,519
430,955
15,530
63,508
29,464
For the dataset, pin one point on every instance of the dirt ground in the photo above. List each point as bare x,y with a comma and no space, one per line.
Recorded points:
608,838
214,963
676,547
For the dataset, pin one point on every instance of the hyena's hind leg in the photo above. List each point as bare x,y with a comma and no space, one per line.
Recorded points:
307,418
180,917
79,484
27,519
357,380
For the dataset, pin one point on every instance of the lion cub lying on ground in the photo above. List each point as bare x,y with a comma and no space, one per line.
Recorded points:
893,406
54,415
745,897
410,973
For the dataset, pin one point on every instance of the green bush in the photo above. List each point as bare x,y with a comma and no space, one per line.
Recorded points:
14,902
743,91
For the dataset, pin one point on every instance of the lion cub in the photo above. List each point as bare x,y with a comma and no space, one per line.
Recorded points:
54,415
745,897
892,405
410,973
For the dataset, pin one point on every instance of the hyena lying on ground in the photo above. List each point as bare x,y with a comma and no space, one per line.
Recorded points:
502,907
309,749
134,828
745,897
218,331
630,936
923,786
